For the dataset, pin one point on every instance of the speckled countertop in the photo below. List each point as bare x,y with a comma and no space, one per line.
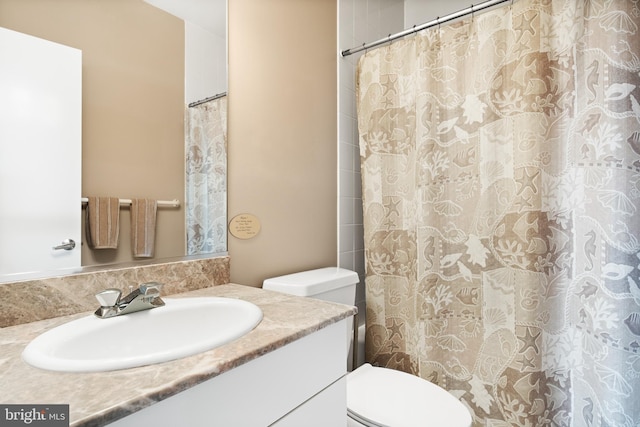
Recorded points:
96,399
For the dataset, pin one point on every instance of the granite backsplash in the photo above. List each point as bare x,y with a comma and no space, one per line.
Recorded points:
32,300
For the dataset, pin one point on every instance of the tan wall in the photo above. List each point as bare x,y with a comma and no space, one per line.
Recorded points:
133,101
282,135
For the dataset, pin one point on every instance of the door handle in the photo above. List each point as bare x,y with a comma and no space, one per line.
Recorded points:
67,245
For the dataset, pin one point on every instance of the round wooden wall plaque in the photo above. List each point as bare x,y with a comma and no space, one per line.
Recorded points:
244,226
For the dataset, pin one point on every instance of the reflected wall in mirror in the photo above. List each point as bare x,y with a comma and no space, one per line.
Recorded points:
141,66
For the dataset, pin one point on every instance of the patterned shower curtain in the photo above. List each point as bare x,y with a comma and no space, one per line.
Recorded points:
206,172
501,189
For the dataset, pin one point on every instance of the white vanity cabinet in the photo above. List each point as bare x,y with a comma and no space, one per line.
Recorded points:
300,384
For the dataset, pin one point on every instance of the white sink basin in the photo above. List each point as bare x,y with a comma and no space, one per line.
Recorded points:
182,327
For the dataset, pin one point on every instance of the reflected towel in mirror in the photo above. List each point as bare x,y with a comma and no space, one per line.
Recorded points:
143,227
103,222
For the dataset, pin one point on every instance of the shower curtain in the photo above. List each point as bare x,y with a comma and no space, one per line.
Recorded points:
206,177
501,190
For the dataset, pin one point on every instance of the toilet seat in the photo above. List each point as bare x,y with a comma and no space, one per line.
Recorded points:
382,397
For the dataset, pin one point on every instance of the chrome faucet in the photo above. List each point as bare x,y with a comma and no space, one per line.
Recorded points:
146,297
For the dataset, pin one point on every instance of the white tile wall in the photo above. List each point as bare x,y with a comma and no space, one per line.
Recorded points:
417,12
363,21
360,21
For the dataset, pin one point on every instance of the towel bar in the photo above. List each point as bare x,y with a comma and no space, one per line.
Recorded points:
161,203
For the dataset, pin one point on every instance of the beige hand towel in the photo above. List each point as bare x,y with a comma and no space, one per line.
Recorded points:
143,227
103,222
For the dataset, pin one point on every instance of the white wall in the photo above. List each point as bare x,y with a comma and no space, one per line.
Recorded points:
205,40
205,62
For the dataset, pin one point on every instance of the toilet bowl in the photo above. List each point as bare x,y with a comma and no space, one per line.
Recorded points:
376,397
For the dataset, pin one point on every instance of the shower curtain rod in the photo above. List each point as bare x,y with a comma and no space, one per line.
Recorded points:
416,28
211,98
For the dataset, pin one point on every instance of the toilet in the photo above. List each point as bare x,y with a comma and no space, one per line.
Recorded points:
376,397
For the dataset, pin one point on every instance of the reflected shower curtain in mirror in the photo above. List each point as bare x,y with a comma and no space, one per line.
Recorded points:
206,177
501,189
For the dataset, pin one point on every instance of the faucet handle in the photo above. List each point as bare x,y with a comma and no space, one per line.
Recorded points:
151,289
109,297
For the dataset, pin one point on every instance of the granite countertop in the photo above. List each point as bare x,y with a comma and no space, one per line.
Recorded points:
96,399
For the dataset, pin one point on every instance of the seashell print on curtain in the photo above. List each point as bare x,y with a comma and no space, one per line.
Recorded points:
206,177
501,190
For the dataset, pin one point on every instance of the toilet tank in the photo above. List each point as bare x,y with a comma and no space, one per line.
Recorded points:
333,284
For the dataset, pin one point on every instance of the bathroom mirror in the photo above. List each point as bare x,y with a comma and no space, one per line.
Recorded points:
143,62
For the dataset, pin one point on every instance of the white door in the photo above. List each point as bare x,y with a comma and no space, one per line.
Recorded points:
40,153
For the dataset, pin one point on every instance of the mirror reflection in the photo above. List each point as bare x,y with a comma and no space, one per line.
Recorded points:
143,62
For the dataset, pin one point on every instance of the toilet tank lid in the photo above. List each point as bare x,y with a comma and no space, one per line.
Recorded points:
312,282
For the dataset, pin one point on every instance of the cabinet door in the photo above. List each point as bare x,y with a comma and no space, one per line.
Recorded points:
40,153
265,390
324,409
